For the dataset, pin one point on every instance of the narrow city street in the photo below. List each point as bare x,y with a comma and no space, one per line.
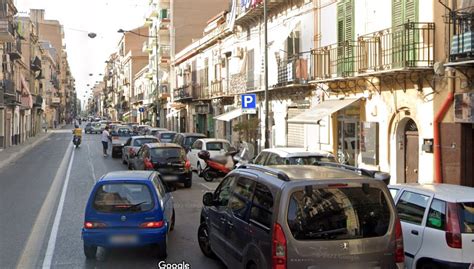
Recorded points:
31,194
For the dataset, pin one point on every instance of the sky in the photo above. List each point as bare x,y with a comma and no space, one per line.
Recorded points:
79,17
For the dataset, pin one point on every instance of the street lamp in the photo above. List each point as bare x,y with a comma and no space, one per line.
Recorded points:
156,56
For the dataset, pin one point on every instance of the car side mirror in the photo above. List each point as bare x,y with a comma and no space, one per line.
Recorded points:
208,199
170,187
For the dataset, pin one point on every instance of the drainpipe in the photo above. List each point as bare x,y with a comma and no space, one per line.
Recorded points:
438,176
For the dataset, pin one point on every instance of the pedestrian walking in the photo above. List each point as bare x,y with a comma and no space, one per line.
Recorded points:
105,140
45,126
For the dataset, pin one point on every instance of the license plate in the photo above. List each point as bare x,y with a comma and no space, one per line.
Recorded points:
170,177
123,239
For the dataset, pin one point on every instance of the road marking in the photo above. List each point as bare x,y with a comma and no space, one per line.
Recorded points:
207,187
94,177
54,231
34,245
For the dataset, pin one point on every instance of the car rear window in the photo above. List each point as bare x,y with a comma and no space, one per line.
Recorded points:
123,132
338,212
467,217
168,154
120,197
310,160
140,141
190,140
217,146
168,136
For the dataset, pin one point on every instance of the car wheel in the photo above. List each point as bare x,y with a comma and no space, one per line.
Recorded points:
199,168
204,243
173,219
90,251
188,183
123,160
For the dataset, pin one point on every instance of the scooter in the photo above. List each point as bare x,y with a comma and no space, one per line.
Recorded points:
76,141
218,166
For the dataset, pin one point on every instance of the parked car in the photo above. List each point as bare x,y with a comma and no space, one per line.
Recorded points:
166,136
96,128
186,140
215,146
292,156
143,129
133,144
88,128
168,159
156,131
438,224
120,134
301,217
128,209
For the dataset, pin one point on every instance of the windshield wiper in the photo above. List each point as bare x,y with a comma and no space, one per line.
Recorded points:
130,206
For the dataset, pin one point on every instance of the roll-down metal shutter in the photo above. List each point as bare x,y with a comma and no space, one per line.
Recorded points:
295,131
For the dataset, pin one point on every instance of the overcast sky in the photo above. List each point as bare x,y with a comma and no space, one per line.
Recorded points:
79,17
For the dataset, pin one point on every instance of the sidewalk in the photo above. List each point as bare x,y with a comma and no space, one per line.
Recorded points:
13,153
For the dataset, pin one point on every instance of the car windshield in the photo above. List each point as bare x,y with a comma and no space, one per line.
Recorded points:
338,212
168,154
167,136
140,141
123,132
217,146
190,140
467,217
118,197
309,160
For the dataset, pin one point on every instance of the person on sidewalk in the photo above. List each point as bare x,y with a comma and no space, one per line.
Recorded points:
105,139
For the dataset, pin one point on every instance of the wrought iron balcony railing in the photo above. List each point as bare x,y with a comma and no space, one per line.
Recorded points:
185,92
462,39
295,70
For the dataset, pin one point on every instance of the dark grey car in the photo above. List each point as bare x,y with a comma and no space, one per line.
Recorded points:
301,217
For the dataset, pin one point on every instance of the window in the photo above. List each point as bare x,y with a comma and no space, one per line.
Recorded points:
393,192
260,160
168,154
167,136
222,193
338,213
274,159
197,145
310,160
118,197
216,146
190,140
140,141
467,217
411,207
437,215
240,200
262,207
129,141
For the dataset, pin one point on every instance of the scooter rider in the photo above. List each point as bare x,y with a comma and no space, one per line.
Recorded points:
77,134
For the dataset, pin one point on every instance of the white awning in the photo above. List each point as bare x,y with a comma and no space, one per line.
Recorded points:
321,110
229,115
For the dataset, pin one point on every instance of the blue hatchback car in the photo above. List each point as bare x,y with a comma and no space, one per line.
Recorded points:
128,209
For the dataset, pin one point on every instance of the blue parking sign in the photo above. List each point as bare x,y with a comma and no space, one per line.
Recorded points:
141,109
249,103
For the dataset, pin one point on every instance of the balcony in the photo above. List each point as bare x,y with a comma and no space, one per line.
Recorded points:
219,88
202,92
294,71
14,49
7,31
246,16
164,28
184,93
164,55
462,40
407,48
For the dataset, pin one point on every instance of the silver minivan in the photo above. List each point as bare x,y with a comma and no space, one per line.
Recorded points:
321,216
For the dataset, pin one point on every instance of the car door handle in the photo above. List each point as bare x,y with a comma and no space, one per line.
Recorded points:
414,232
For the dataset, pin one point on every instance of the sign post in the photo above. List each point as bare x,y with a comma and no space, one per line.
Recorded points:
249,103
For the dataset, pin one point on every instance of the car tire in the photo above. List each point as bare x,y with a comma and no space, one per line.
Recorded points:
203,240
90,252
188,183
173,220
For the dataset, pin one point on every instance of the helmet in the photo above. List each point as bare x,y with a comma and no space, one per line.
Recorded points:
204,154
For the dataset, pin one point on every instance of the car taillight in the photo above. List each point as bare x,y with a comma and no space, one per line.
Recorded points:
187,165
94,225
278,248
453,228
152,224
399,252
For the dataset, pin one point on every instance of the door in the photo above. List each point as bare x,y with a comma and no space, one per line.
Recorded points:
218,217
295,131
164,196
411,209
411,152
238,233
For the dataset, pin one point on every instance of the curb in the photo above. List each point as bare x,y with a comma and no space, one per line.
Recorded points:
15,156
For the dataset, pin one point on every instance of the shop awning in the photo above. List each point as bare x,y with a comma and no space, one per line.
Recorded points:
324,109
228,116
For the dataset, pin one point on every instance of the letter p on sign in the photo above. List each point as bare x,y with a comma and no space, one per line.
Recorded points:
249,103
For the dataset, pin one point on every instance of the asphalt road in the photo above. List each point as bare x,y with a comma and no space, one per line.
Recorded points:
30,195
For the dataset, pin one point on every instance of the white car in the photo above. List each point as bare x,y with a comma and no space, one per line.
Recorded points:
437,223
216,147
292,156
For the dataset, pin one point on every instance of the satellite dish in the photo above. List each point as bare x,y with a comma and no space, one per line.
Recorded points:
92,35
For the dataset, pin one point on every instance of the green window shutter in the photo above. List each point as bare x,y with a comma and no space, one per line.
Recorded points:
411,10
349,20
345,34
404,11
397,12
340,21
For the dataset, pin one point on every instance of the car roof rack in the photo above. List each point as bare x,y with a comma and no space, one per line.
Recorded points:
385,177
265,169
